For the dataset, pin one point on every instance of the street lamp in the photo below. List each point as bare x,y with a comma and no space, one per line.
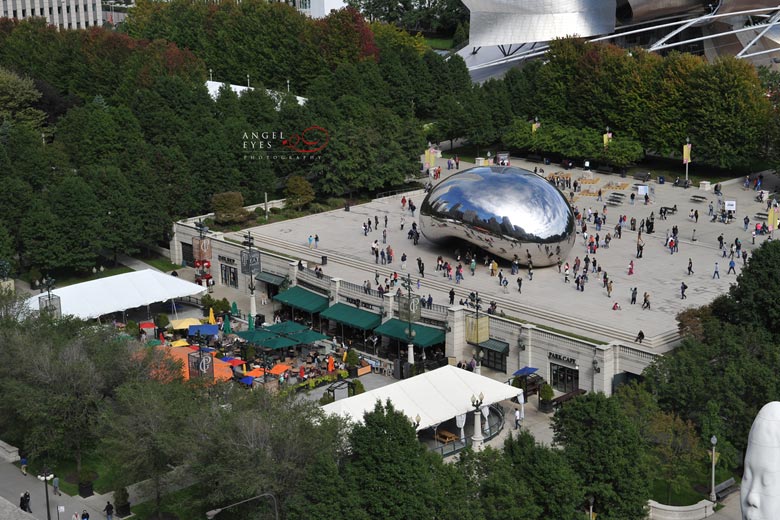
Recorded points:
590,511
45,478
214,512
477,440
249,242
413,304
713,496
687,155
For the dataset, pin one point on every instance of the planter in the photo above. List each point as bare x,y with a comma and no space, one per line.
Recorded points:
363,370
85,489
123,510
545,406
353,371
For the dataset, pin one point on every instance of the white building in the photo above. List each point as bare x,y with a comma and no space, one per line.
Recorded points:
65,14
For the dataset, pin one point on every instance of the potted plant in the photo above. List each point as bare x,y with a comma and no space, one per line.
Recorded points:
122,502
352,362
546,396
85,483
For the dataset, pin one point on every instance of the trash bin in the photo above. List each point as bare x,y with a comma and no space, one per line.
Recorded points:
324,260
661,179
259,319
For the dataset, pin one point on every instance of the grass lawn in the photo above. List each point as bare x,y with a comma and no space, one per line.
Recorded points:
163,264
66,470
74,279
184,503
697,488
439,43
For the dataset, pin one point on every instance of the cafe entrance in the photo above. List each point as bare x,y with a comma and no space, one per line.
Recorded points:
564,379
229,276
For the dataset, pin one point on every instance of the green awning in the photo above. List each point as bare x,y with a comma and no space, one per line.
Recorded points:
307,336
496,345
424,336
273,279
352,316
255,336
302,299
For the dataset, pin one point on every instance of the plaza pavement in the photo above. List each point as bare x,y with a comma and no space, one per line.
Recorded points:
546,299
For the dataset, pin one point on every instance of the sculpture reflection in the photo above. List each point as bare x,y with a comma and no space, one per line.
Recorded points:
506,211
760,488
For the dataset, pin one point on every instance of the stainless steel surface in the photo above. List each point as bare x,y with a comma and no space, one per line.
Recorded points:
506,211
501,22
645,10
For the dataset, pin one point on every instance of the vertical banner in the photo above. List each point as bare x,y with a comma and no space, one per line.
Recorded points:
535,126
428,158
687,153
201,248
607,138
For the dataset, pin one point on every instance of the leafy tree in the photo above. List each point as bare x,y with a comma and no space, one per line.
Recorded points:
675,447
229,208
605,449
298,192
17,98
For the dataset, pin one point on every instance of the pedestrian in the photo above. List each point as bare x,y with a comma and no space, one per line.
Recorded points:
22,502
732,266
84,515
646,301
452,296
747,222
633,295
519,285
376,277
384,236
109,511
385,221
316,241
630,267
27,502
403,222
518,418
23,465
403,261
716,274
311,241
376,222
682,290
690,267
403,204
609,289
55,483
639,337
530,272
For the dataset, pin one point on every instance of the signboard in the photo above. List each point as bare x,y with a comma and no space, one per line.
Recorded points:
731,205
200,364
250,263
477,329
409,309
201,248
641,190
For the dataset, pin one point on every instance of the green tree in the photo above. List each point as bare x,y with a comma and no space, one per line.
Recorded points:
228,208
17,97
605,449
676,451
298,192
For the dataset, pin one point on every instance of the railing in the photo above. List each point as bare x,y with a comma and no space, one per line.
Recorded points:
641,354
495,425
310,276
397,192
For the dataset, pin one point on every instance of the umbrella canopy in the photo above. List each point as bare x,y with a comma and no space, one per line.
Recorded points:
286,327
278,342
212,319
203,349
226,327
525,371
250,321
180,343
280,368
235,362
255,336
204,330
247,380
256,372
306,336
153,343
234,309
183,323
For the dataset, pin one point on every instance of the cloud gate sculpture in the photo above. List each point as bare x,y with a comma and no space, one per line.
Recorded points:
506,211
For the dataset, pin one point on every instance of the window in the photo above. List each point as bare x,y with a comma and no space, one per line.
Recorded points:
494,360
564,379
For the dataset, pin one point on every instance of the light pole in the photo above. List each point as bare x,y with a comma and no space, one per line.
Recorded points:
477,440
410,332
214,512
687,155
249,242
45,478
713,496
590,511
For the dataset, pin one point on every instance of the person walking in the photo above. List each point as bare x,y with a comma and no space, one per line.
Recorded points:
519,285
452,296
639,337
690,267
716,274
633,296
646,301
403,222
518,418
109,510
23,465
609,289
311,241
682,290
385,221
630,267
732,267
27,501
55,484
316,241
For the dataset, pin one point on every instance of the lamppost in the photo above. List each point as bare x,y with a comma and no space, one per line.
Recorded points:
477,440
687,158
590,511
713,496
249,242
200,262
214,512
45,478
413,306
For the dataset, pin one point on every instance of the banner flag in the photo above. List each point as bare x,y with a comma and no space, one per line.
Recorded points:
686,153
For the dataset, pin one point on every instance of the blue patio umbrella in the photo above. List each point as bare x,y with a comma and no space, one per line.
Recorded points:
525,371
248,380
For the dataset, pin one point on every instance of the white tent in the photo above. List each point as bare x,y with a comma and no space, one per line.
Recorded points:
435,396
95,298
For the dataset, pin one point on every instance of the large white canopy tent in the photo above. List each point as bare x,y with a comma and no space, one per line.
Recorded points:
435,396
89,300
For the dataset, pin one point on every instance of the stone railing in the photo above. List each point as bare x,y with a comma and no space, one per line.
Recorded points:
702,509
8,453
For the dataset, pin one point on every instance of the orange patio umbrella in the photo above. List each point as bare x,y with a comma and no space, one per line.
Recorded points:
256,372
280,368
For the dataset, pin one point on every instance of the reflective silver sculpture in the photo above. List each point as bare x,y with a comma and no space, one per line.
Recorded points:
504,210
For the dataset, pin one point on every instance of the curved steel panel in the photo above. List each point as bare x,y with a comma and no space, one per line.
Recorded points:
644,10
734,6
501,22
505,210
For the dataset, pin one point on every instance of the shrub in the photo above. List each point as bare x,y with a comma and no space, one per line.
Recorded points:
546,393
327,399
121,497
318,208
298,192
275,211
162,321
229,208
132,328
357,387
335,202
352,358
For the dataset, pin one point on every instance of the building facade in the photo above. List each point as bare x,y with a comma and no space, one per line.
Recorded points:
64,14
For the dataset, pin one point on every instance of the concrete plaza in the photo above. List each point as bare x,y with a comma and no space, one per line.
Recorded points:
547,299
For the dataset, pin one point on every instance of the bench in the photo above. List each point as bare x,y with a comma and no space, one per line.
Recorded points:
725,488
446,437
667,209
560,400
698,198
644,177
